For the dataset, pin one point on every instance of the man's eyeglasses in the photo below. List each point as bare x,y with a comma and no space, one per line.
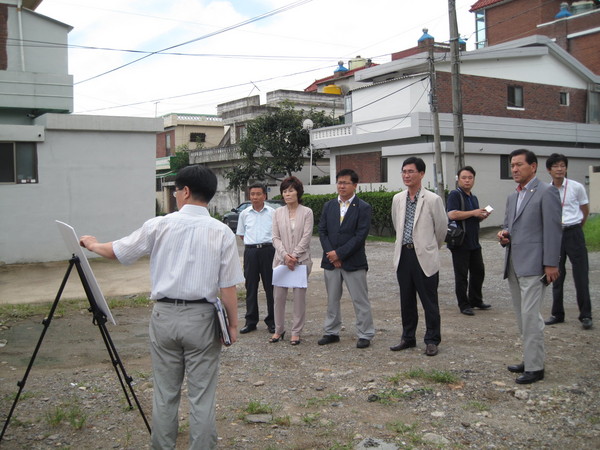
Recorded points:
175,192
558,166
344,183
409,172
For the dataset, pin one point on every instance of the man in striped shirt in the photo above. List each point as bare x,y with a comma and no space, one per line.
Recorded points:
193,257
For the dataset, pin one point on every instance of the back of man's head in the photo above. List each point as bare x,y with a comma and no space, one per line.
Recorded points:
200,180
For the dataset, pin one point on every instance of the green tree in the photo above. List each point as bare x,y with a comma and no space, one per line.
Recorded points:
181,158
275,145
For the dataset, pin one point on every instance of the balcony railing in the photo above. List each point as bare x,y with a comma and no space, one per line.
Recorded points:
330,132
217,154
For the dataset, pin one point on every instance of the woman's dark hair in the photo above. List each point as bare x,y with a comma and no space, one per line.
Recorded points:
293,182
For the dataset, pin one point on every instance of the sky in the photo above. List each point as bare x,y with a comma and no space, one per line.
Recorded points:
232,49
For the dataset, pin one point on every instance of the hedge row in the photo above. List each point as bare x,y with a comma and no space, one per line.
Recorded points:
381,202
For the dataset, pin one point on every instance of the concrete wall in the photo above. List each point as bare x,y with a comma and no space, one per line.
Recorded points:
95,173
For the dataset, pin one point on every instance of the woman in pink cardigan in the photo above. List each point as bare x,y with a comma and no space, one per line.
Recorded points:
292,232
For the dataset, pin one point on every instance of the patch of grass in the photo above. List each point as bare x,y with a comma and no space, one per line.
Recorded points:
56,416
477,406
70,413
594,420
257,407
340,446
389,396
27,310
591,231
406,431
129,302
434,375
283,421
319,401
311,419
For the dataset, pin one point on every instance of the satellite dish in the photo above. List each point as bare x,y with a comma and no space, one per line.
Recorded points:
307,124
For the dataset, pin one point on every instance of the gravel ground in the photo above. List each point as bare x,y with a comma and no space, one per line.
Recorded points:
337,396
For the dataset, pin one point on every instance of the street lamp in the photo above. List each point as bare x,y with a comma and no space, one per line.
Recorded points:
308,125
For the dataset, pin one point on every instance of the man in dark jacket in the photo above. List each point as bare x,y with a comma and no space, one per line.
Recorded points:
343,230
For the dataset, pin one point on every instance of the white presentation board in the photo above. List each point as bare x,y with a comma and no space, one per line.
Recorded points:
72,242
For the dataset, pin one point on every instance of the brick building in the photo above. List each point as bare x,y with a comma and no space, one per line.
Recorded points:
528,92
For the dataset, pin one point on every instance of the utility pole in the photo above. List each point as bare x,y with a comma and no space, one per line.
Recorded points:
459,132
438,174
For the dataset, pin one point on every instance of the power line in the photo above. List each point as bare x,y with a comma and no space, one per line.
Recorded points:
206,36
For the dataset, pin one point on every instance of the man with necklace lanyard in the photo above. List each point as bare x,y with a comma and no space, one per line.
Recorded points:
575,210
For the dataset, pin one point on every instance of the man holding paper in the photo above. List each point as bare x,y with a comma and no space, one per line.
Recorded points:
292,231
469,270
192,257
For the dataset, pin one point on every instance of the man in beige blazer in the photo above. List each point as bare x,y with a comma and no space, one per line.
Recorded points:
421,223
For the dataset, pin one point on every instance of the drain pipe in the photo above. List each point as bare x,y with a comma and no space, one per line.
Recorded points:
19,16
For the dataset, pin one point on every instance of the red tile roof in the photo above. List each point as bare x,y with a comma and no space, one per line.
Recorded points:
480,4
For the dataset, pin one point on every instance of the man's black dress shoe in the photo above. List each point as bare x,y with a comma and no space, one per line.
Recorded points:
483,306
363,343
249,328
552,320
517,368
467,312
530,377
403,345
328,339
587,323
272,329
431,350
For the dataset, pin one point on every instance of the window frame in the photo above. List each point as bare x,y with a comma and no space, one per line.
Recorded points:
17,162
512,102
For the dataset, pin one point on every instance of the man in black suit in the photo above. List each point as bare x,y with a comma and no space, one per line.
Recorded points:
343,230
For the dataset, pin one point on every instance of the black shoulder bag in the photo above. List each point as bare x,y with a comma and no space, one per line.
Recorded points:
455,235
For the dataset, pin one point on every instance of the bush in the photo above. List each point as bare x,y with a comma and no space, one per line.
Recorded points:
381,202
591,231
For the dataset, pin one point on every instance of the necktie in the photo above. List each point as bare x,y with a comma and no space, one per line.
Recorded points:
343,209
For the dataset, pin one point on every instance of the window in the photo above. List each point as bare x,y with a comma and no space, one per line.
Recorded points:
168,144
505,172
564,98
480,39
18,162
348,109
197,137
384,170
515,97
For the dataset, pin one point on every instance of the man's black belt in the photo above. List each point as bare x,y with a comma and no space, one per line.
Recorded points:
571,227
411,245
178,301
266,244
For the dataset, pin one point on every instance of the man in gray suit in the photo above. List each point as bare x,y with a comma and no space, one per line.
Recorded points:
532,235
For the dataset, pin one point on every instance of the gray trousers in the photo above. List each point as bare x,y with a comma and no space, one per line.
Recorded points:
299,308
183,341
527,295
356,283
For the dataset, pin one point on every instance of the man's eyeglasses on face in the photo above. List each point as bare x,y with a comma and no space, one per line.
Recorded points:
344,183
175,192
559,166
409,172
